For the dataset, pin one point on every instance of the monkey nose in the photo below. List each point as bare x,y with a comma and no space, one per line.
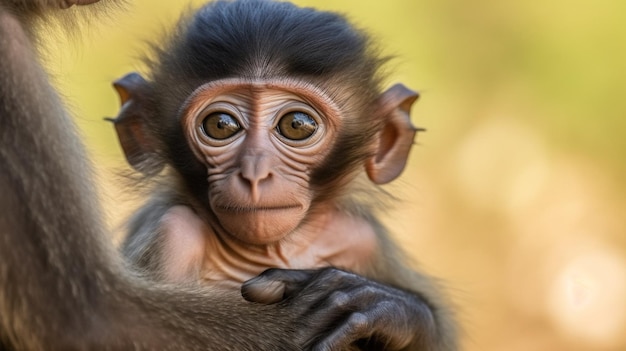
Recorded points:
255,170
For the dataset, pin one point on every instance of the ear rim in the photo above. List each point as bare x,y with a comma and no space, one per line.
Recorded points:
138,145
388,162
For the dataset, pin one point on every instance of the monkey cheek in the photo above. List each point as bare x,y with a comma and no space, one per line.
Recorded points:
262,227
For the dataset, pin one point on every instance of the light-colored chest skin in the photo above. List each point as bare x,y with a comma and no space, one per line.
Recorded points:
195,252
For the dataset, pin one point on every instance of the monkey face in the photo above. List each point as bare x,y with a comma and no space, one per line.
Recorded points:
274,150
260,142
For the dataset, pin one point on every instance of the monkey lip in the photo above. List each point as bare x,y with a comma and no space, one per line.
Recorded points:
248,209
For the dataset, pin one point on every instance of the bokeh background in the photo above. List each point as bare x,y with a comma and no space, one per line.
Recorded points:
515,195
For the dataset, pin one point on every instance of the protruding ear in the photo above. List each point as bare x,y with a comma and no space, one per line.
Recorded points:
138,143
396,137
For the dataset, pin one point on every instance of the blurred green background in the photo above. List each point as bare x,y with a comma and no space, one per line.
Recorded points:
515,195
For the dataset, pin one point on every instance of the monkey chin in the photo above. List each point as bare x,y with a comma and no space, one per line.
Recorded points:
261,226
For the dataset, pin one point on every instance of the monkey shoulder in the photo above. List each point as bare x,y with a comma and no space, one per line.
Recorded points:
184,241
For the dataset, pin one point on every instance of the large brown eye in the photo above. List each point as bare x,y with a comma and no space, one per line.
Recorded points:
220,125
296,126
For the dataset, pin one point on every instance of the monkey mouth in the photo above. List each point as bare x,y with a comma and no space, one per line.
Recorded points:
253,209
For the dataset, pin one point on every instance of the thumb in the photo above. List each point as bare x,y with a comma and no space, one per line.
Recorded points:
274,285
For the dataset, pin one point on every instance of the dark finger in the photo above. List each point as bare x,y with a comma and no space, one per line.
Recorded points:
357,326
382,324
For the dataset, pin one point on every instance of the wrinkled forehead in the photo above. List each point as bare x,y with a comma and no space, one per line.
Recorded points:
304,90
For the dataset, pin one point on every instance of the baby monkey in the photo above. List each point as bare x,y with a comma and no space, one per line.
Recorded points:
267,115
270,118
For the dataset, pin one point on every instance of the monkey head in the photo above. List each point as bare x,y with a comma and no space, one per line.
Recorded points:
266,119
262,141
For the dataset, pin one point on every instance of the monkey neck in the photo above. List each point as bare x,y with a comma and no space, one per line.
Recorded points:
328,238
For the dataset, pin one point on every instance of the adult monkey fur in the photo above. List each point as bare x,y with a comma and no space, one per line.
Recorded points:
63,287
281,107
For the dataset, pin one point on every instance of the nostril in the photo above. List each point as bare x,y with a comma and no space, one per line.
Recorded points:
245,179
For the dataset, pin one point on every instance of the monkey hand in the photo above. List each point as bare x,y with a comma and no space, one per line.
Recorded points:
341,310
